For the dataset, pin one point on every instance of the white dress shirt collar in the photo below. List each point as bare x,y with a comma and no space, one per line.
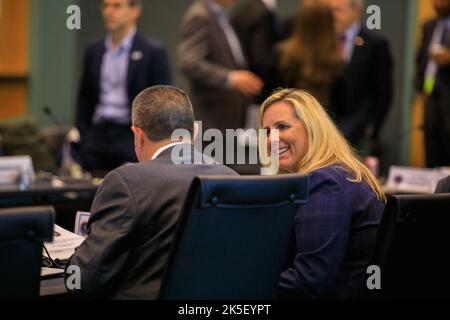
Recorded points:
352,32
350,35
164,148
216,7
125,44
270,4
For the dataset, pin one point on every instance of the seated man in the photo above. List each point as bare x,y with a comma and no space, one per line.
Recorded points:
443,186
135,210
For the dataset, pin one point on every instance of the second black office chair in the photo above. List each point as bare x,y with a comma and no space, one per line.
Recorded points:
22,231
413,246
233,237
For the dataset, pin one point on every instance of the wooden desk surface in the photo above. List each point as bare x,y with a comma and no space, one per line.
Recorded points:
53,286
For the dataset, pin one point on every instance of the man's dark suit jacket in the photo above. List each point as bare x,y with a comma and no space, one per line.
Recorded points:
132,225
256,27
148,66
335,237
206,59
437,108
369,80
422,58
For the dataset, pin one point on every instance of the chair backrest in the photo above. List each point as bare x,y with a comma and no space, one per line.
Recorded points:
22,231
443,186
413,246
233,237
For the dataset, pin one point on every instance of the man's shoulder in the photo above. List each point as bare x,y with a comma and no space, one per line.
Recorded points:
249,10
430,24
144,42
164,168
372,36
95,45
198,9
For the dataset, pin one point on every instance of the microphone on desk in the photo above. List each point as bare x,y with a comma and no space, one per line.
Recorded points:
48,112
68,137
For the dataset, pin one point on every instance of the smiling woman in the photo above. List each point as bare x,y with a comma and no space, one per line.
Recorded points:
293,139
335,231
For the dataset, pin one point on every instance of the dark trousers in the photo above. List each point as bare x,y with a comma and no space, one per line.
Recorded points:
107,146
437,129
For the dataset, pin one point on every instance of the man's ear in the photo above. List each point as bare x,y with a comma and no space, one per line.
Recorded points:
139,136
359,10
137,12
196,128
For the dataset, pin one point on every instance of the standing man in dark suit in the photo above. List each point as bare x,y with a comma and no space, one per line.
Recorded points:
258,28
433,80
116,69
135,211
369,74
211,57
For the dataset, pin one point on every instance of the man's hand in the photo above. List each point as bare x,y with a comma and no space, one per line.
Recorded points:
441,56
246,82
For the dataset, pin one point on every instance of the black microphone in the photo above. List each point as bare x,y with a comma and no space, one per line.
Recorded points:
48,112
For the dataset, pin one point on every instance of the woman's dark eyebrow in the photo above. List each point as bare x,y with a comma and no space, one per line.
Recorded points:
281,122
277,123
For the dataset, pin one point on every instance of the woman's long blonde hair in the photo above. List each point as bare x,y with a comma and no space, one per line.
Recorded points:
326,143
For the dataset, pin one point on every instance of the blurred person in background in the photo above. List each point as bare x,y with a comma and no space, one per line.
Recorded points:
212,59
433,80
368,76
116,68
310,59
259,29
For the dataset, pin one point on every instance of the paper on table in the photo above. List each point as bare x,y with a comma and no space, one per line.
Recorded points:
63,244
50,271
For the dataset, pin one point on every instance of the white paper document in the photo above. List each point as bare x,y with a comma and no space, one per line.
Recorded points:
63,244
45,272
414,180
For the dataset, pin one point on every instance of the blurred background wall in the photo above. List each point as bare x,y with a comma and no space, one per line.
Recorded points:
47,58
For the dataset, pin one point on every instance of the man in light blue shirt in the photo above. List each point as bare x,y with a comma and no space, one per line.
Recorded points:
113,105
116,69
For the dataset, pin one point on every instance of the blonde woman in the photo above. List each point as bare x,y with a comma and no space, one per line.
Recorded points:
335,231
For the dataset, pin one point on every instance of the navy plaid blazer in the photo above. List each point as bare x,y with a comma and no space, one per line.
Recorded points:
334,238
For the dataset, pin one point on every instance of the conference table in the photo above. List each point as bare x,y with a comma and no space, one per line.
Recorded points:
53,286
66,195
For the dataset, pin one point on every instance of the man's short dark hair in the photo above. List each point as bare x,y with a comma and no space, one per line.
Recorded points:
134,3
160,110
131,3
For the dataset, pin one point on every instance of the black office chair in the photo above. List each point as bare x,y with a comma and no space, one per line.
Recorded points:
413,247
22,231
443,185
233,237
